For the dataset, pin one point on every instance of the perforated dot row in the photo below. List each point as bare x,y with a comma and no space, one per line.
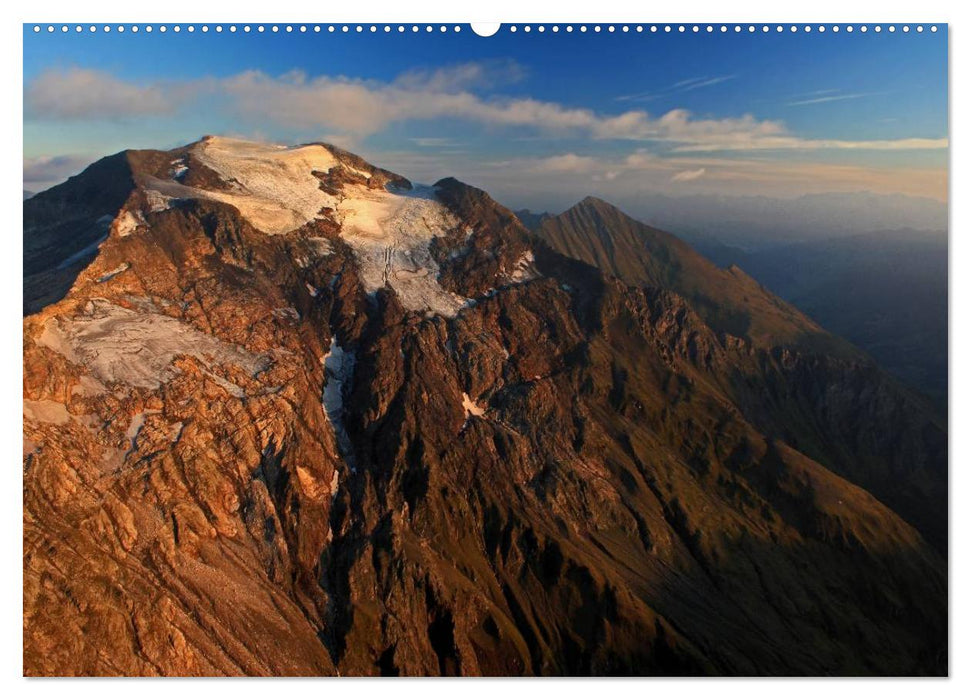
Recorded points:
258,28
428,28
725,28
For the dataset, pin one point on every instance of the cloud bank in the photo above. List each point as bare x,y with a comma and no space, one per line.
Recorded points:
43,171
358,108
79,93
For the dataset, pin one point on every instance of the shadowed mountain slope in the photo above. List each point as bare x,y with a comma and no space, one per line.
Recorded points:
886,292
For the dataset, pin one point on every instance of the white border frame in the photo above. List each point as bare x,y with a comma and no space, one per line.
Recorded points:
509,11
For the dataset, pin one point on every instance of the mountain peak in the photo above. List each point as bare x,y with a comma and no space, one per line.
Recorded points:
730,301
595,204
603,211
278,190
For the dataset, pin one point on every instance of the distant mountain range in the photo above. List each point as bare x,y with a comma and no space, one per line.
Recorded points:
288,413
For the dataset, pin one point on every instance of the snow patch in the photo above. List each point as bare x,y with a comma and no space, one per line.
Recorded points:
115,272
179,169
232,389
46,411
367,175
390,233
128,222
137,348
524,270
135,428
86,251
471,408
272,186
321,246
338,374
88,386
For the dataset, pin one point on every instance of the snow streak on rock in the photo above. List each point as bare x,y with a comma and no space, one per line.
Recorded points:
471,408
525,268
338,374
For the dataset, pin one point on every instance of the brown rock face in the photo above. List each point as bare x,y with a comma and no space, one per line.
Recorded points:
404,437
810,385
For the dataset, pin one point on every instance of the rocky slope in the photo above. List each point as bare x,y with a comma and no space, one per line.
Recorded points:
834,381
296,415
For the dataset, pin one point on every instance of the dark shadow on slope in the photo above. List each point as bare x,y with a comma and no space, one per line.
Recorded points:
64,226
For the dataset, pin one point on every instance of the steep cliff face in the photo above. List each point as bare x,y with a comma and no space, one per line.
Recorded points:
300,416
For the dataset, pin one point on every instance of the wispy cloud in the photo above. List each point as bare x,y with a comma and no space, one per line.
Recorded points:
435,142
688,175
705,82
689,81
822,96
790,143
676,88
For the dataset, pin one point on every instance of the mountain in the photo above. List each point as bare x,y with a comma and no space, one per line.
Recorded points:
289,413
884,291
730,302
727,299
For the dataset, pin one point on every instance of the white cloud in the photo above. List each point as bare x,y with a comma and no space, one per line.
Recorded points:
463,76
565,163
79,93
354,108
688,175
823,96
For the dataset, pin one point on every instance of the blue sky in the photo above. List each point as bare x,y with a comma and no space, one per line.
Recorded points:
543,118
